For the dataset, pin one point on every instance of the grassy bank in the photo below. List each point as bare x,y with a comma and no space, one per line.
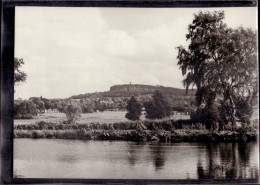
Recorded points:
174,131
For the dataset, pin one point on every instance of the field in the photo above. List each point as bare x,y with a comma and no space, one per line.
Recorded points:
97,117
114,126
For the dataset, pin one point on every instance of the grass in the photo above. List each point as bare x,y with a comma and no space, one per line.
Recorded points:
149,130
108,117
181,135
114,126
164,124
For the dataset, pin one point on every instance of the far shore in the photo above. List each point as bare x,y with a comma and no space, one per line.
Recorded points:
163,131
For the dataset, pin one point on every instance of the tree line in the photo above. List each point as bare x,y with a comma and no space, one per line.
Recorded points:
37,105
156,108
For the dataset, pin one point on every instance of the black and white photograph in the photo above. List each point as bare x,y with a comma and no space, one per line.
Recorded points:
135,93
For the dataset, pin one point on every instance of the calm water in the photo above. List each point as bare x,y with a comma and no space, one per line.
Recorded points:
46,158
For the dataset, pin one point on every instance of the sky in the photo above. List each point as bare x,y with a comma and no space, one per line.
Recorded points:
69,50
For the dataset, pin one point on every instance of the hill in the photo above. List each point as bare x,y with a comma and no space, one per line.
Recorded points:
127,90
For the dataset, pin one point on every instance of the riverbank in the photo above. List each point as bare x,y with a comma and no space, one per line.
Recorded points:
164,131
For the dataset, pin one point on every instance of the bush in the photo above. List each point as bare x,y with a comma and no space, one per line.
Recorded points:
38,134
73,113
208,116
83,134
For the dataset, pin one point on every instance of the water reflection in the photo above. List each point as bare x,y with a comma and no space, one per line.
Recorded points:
154,152
244,151
44,158
68,158
200,170
158,152
133,150
229,161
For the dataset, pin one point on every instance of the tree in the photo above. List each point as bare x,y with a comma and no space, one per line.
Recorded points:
60,105
134,109
49,104
244,110
219,61
157,108
87,107
73,113
19,76
208,116
25,110
39,103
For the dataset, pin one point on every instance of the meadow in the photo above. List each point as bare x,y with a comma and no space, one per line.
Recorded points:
112,125
108,117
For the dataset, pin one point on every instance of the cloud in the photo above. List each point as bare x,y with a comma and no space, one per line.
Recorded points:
119,43
70,51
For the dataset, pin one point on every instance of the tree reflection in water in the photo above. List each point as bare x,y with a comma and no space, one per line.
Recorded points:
158,155
227,160
155,153
200,170
132,152
214,160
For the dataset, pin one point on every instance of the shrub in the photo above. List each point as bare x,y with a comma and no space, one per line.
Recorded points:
209,116
105,126
68,134
111,127
38,134
75,127
73,113
83,134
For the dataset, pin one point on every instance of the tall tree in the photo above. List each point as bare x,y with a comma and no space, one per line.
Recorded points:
19,76
219,61
157,108
134,109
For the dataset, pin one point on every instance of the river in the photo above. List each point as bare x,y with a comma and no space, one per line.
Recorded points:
57,158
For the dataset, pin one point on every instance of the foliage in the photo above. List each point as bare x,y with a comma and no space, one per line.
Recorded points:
147,130
158,107
49,104
181,104
93,104
225,111
73,113
19,76
60,105
134,109
87,107
25,110
208,116
244,110
219,61
39,103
